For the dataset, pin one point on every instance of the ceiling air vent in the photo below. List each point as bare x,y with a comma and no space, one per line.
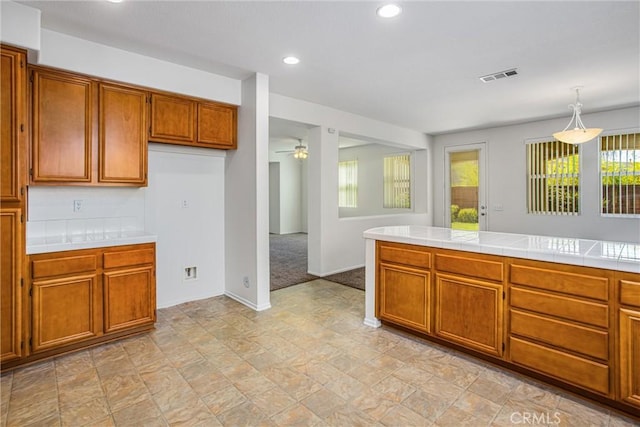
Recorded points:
500,75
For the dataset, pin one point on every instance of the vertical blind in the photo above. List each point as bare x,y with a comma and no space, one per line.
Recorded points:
348,184
620,174
553,170
397,181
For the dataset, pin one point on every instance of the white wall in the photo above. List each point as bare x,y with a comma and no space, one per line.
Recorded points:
50,208
289,196
506,161
191,236
370,180
274,197
336,244
19,25
246,200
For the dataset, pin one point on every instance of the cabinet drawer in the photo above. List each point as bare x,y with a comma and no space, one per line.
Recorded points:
560,306
630,293
576,370
580,339
64,266
129,258
561,281
416,256
474,267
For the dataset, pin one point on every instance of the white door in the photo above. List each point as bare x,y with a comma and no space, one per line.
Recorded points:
465,203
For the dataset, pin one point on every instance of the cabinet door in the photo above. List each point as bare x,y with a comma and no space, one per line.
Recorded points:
62,127
12,123
65,311
404,296
217,125
10,275
123,135
129,298
630,356
172,119
469,312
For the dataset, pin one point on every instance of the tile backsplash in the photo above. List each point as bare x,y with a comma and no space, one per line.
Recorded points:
104,212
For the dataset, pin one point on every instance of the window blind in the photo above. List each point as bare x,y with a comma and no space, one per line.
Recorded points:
348,184
553,170
397,181
620,174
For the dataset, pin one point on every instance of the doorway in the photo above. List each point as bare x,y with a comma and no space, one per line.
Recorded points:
465,203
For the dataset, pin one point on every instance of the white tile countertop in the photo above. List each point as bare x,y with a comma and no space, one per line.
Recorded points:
566,250
64,242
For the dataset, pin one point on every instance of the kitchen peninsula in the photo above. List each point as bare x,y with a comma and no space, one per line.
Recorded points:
564,310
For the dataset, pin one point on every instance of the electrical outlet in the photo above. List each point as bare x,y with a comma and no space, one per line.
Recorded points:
190,273
184,204
245,281
77,205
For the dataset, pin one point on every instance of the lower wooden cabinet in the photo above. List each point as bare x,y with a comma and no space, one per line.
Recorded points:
404,296
630,356
84,297
469,312
574,326
10,279
65,311
129,289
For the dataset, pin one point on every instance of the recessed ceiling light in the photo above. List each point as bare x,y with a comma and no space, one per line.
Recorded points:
389,11
115,1
290,60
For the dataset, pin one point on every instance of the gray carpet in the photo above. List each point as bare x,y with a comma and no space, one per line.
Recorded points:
288,255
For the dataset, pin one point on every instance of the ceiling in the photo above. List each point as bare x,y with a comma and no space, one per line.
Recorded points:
419,70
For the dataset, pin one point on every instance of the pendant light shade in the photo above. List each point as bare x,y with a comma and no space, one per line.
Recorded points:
579,133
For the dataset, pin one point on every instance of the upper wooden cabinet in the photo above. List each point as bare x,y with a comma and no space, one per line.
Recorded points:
87,132
172,119
217,125
13,123
123,129
187,121
62,127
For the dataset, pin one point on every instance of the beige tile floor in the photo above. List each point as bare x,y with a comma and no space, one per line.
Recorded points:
308,361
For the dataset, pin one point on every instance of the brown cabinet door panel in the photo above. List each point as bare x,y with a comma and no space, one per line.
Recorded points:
572,283
129,298
469,312
572,369
587,341
123,135
587,312
12,123
172,119
484,267
10,274
404,296
630,356
415,256
62,127
217,125
65,311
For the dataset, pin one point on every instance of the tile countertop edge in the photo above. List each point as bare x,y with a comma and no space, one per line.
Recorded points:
440,237
41,248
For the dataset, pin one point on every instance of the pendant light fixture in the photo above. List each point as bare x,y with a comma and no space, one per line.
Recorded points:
579,133
300,151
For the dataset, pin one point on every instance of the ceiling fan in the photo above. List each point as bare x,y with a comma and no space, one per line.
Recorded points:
299,151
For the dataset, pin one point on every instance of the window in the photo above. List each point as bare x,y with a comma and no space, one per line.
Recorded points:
397,181
553,170
620,174
348,184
